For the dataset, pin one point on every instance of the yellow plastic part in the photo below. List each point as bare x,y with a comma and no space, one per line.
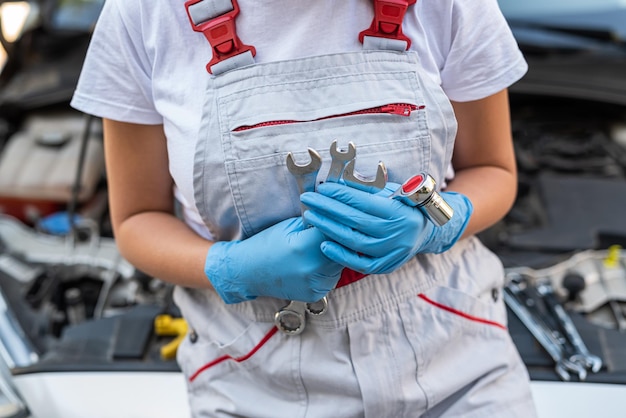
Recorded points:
167,326
613,256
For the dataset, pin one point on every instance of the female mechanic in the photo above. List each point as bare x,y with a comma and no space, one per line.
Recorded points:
207,105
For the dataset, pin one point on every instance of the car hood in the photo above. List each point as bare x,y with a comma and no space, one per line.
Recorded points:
574,55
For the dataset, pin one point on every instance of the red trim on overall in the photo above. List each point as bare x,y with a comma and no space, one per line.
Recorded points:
207,366
347,277
461,314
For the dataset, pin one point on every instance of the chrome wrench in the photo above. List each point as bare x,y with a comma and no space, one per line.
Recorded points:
338,163
368,184
306,175
581,352
290,319
542,334
339,160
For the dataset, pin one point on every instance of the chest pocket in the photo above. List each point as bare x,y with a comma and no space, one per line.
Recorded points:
384,113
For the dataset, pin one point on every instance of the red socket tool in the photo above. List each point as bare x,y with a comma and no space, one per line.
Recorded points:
420,191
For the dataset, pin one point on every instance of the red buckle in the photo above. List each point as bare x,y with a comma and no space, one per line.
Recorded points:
388,17
221,34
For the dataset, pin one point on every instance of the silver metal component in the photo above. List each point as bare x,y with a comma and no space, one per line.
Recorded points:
339,161
581,353
15,348
420,191
361,182
318,308
306,175
11,402
98,253
291,319
75,305
547,339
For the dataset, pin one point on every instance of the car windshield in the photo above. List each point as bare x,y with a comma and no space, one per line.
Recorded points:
575,22
75,14
535,8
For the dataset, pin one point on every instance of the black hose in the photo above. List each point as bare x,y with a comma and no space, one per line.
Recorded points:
73,203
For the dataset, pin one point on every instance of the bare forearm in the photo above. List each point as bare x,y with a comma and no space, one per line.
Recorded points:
484,159
163,246
140,195
491,190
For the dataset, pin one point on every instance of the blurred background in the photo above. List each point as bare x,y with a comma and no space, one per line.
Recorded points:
77,321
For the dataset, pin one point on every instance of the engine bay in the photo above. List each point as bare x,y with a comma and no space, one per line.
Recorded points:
83,307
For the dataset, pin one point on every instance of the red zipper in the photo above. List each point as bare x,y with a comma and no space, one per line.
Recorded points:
401,109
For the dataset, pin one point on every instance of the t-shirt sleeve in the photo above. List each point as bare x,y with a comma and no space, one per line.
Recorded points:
484,57
115,81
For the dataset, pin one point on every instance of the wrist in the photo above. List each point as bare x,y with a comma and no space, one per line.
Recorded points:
219,271
445,236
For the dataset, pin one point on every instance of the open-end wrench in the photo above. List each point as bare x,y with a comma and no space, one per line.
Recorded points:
290,319
368,184
581,353
563,366
339,160
305,174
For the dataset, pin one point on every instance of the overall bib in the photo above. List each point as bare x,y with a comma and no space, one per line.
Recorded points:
429,339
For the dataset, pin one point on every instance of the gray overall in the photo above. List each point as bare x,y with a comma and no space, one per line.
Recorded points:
427,340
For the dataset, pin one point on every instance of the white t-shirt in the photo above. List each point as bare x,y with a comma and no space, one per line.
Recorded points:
146,65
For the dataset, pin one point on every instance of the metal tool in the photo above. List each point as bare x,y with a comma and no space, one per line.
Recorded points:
361,182
339,160
521,306
581,353
306,175
291,318
420,191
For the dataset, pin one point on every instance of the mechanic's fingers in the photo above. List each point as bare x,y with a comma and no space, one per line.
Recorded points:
346,257
359,262
376,205
339,211
344,235
326,279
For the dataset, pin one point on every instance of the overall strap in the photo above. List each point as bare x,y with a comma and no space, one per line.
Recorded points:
385,31
216,20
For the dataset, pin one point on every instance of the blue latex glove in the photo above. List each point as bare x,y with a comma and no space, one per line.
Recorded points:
283,261
372,233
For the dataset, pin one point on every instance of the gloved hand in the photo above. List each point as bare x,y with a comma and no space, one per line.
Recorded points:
372,233
282,261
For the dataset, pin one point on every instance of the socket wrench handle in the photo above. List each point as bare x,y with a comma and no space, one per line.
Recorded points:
420,191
